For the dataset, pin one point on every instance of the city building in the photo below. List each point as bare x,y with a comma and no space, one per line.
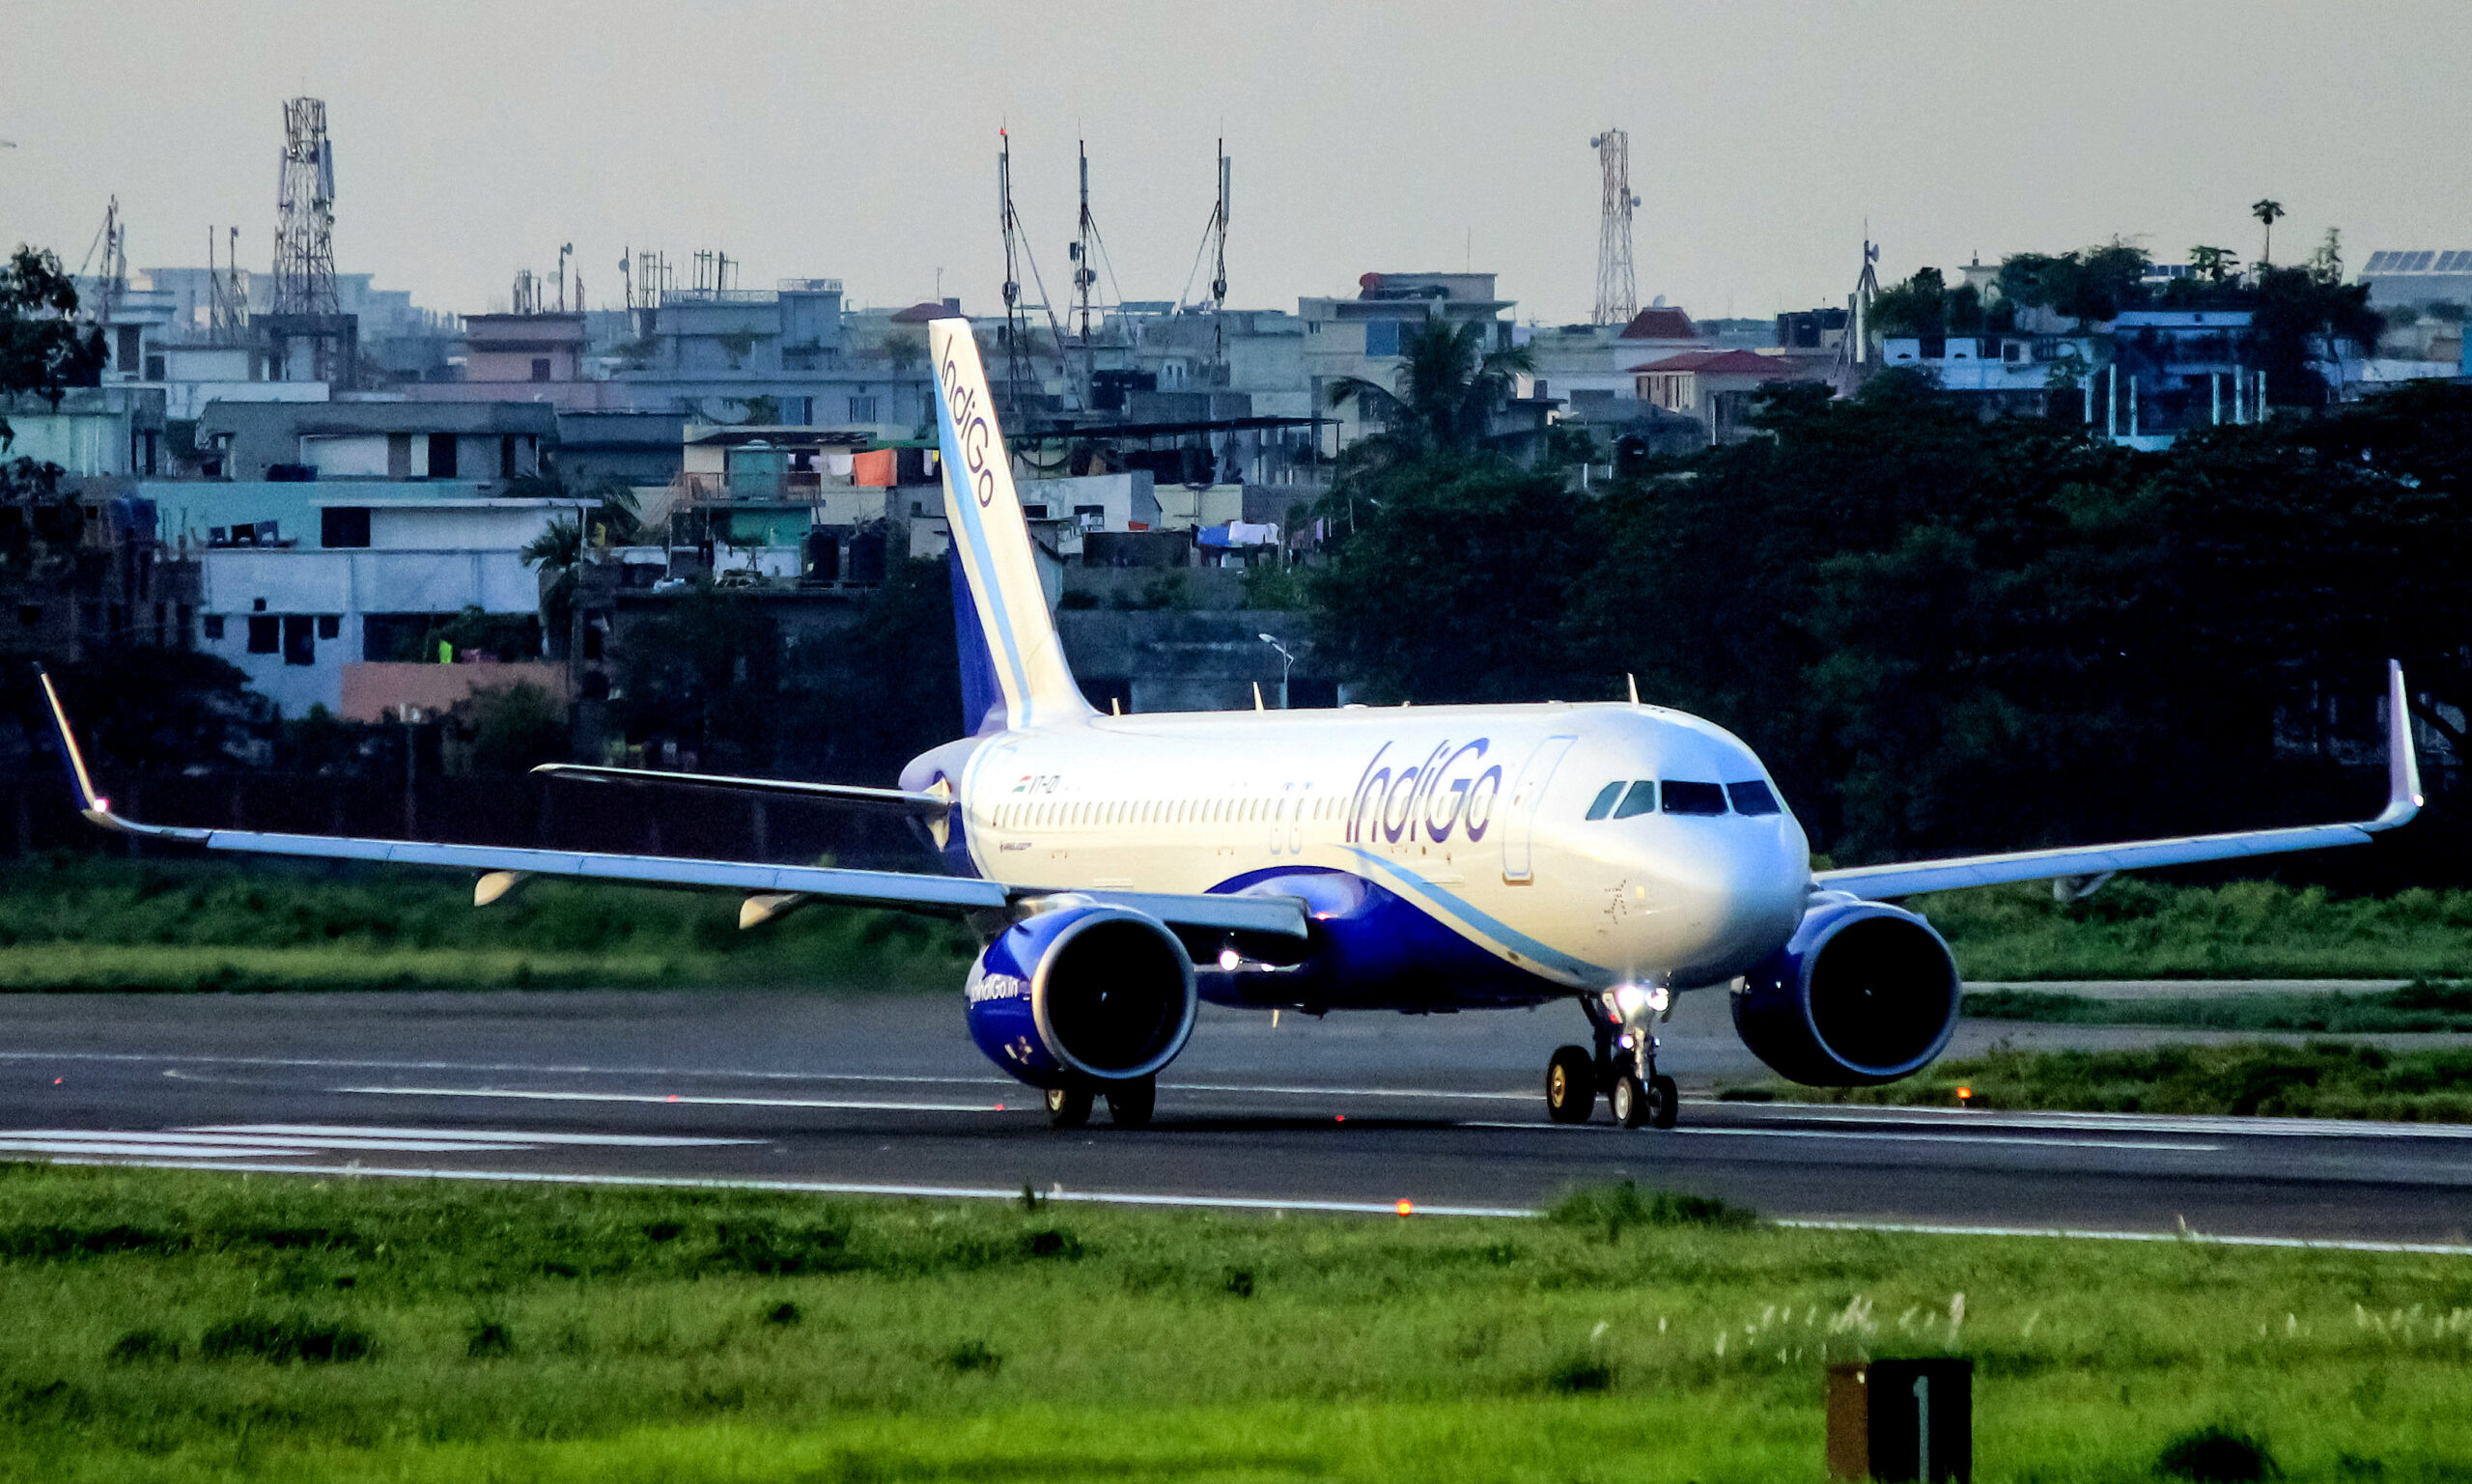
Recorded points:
399,440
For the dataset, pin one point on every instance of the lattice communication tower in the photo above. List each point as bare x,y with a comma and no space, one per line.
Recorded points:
304,241
1618,289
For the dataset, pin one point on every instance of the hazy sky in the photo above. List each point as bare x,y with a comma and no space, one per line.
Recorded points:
858,141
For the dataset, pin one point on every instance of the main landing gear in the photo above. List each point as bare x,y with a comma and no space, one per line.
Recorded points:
1130,1104
1624,1065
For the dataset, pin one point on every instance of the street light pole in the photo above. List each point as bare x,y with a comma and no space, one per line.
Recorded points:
1286,668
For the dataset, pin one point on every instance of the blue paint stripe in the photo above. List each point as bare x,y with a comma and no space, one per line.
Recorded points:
1502,933
981,562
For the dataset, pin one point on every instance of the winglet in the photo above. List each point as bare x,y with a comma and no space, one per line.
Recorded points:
2402,762
94,807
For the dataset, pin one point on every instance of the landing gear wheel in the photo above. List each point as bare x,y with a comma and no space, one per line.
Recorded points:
1664,1102
1129,1104
1068,1108
1629,1100
1570,1085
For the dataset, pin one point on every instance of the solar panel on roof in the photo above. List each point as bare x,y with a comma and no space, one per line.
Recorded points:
2444,263
2421,261
2377,262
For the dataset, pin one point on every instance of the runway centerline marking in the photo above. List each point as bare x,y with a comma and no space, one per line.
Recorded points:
289,1132
1854,1134
677,1100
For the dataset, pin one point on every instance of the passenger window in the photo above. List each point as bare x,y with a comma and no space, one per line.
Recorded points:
1753,797
1642,800
1694,797
1604,804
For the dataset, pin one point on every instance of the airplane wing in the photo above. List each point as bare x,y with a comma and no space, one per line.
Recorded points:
926,805
2077,870
769,887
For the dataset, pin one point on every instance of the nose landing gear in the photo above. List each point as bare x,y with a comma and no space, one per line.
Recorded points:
1623,1067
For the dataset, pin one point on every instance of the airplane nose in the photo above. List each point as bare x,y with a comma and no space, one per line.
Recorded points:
1742,894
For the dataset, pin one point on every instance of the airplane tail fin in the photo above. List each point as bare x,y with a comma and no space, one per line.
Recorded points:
1014,635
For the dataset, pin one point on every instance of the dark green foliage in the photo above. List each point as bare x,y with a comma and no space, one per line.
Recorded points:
2216,1455
758,1245
284,1341
515,727
489,1340
1616,1208
1580,1373
2415,1009
140,1346
783,1313
1454,584
972,1355
42,348
1240,1282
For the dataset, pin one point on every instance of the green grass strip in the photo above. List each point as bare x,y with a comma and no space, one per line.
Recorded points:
190,1327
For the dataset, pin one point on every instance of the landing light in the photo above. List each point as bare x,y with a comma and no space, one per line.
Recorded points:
1634,1000
1228,958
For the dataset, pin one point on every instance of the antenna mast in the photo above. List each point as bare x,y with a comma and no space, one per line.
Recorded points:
1084,276
304,244
1219,269
1618,290
1017,359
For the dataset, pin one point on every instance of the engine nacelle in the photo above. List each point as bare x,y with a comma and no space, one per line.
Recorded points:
1864,992
1084,993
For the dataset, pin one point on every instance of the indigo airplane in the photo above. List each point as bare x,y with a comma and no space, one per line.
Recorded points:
1119,869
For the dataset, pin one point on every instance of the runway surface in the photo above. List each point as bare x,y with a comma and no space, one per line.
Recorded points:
860,1092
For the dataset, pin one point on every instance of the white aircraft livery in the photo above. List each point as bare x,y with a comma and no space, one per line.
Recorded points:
1119,869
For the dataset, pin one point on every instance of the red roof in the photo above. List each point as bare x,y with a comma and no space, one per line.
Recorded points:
1739,363
1660,324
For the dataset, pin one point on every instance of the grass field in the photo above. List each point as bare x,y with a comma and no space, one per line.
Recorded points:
2318,1079
183,1326
81,923
2414,1009
2137,929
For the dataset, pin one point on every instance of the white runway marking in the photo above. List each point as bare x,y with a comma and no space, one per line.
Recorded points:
682,1100
491,1138
280,1141
1894,1139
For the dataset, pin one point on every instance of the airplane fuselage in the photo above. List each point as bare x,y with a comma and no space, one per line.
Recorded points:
1474,819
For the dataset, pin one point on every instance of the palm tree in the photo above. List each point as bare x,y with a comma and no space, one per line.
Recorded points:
2266,212
2213,264
1446,390
558,550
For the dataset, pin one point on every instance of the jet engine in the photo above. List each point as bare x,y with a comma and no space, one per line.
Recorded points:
1082,993
1863,993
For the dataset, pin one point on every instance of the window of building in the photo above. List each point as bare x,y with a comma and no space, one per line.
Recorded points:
1753,797
29,614
1641,799
1034,511
1381,337
330,626
506,456
300,639
212,626
540,368
1604,804
154,368
441,455
862,410
266,633
1687,797
342,525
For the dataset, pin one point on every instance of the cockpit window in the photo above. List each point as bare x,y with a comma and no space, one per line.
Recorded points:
1753,797
1682,797
1604,804
1642,800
